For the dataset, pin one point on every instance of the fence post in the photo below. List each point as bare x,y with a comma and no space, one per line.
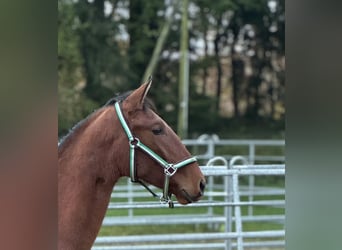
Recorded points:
237,212
130,196
211,183
228,209
251,178
236,195
228,198
209,154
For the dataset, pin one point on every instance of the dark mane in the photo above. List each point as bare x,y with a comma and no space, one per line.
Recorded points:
73,130
117,98
148,104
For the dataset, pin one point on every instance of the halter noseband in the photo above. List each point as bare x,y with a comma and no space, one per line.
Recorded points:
169,168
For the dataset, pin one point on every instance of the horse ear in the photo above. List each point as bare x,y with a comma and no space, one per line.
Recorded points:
136,99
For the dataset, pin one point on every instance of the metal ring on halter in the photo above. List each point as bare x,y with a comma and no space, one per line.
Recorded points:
163,200
133,143
167,200
168,168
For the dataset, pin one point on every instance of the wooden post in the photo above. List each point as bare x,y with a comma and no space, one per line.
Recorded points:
183,94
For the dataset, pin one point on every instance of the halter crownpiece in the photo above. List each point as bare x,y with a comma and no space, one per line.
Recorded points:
169,168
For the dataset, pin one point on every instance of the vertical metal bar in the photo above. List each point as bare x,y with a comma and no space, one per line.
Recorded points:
251,178
237,212
251,153
211,149
210,198
211,184
236,198
130,196
211,154
228,209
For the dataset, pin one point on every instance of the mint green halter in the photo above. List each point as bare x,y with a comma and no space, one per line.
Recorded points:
169,168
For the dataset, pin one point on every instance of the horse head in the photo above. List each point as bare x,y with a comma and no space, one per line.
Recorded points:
187,182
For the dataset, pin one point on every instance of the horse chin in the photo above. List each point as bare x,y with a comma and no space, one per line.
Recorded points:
185,198
182,200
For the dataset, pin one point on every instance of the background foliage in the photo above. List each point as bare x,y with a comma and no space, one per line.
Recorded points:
237,61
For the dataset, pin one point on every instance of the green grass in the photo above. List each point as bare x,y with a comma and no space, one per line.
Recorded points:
151,229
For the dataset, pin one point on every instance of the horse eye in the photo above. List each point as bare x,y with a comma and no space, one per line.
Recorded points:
157,131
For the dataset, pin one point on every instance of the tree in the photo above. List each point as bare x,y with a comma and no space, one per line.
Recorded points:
72,105
69,56
250,31
143,27
98,47
103,50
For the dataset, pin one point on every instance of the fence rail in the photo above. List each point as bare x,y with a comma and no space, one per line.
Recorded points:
212,143
188,237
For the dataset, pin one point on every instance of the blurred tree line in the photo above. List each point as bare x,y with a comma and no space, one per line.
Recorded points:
237,59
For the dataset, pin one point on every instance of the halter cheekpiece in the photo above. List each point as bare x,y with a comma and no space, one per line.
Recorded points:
169,168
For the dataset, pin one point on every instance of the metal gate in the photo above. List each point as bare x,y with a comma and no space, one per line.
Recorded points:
226,229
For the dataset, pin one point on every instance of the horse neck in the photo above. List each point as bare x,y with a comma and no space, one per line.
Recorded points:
89,167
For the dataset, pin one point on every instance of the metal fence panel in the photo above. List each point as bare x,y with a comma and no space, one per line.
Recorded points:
227,194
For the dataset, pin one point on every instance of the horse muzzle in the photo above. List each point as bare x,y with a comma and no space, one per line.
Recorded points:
186,197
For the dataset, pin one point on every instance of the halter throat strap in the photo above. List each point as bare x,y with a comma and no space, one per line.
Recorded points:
169,168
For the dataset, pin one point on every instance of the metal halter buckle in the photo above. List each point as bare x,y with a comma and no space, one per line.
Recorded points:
170,170
133,143
167,200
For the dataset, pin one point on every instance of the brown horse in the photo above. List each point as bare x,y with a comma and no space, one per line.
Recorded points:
98,151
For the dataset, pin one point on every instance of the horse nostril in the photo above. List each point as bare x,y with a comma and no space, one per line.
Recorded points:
202,186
